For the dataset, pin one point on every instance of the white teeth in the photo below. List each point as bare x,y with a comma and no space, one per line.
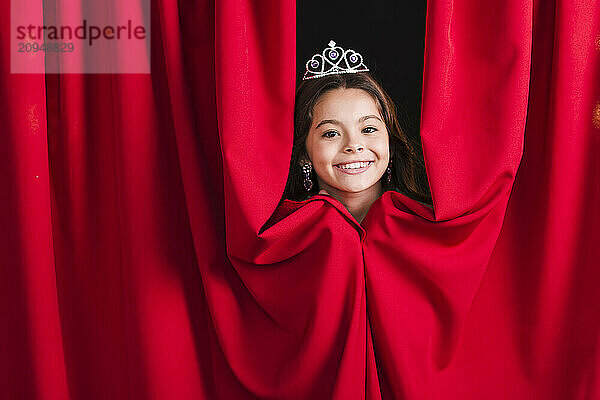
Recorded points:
354,165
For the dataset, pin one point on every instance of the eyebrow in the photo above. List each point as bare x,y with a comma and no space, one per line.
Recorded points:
336,122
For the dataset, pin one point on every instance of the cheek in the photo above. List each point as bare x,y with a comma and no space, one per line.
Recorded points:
320,153
323,161
382,147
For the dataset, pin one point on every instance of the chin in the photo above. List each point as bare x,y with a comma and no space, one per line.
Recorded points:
355,188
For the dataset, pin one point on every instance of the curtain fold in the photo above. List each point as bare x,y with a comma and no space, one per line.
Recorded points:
31,342
145,254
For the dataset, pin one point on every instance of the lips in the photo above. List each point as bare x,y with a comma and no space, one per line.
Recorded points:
354,167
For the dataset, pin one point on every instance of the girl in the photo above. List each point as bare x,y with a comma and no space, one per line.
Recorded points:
347,140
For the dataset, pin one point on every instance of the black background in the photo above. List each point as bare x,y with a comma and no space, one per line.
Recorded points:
390,35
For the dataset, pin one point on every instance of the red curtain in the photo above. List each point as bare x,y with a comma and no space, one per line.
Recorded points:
144,255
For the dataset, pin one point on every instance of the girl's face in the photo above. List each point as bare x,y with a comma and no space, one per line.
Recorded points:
348,142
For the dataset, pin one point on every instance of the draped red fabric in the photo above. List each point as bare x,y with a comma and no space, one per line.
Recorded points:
144,253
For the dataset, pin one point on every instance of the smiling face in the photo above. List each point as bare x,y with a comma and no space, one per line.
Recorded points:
348,142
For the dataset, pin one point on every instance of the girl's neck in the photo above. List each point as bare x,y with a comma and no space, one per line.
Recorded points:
357,204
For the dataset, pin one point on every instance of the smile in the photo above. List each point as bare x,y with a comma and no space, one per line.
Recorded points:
354,167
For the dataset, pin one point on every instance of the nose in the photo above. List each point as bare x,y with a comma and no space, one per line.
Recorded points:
353,144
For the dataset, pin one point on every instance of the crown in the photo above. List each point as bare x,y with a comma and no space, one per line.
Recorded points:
334,60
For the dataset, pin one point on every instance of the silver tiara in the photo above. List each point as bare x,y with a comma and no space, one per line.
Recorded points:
334,60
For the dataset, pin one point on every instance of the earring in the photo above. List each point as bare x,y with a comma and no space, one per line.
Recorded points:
388,173
307,169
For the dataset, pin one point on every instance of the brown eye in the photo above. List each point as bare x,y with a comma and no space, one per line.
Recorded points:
369,129
329,134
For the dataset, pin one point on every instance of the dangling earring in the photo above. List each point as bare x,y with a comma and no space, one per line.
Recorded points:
388,173
307,169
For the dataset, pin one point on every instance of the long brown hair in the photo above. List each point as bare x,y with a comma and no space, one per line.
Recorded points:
408,174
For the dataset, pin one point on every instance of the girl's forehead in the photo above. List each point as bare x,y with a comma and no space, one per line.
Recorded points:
345,102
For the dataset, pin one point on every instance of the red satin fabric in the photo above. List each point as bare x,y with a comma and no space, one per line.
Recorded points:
144,255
